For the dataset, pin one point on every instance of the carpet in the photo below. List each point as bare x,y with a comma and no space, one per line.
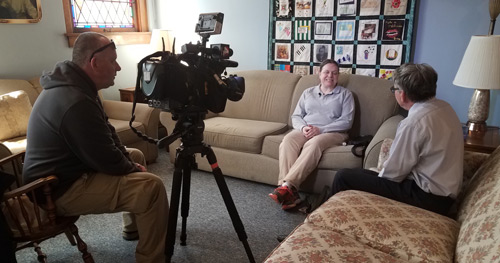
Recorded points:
211,236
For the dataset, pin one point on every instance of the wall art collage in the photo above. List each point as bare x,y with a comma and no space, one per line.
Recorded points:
366,37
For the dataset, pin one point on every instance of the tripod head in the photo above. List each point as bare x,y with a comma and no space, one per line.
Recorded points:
189,128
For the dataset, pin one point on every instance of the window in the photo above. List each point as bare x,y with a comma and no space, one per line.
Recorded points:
125,21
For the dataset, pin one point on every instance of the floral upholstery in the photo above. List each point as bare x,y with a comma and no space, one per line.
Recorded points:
401,230
311,243
355,226
479,238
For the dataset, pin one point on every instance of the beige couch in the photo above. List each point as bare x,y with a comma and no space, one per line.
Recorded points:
15,112
355,226
246,136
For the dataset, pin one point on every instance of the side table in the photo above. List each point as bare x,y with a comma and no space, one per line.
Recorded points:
485,142
127,94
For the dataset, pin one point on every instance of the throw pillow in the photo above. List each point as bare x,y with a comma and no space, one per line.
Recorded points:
384,154
15,109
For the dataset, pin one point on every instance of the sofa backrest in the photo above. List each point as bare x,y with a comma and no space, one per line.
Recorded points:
267,97
31,87
374,101
479,214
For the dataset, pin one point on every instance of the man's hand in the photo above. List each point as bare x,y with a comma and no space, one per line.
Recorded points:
140,167
310,131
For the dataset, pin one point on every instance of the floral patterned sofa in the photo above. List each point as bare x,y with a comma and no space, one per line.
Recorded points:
355,226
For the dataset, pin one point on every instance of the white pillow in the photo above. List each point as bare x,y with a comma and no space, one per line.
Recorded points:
15,109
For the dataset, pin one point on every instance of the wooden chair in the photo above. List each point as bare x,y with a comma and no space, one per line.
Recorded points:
33,220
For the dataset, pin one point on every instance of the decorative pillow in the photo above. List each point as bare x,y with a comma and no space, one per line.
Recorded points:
384,154
15,109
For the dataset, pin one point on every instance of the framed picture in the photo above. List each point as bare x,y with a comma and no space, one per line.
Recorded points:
20,11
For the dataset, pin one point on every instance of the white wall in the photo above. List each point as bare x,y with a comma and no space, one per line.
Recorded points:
245,27
26,50
444,29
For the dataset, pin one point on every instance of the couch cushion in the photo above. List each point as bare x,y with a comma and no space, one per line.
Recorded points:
480,215
271,145
240,134
404,231
15,109
310,243
267,97
127,136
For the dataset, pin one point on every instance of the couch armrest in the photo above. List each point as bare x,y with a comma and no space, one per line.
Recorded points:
386,130
144,114
4,151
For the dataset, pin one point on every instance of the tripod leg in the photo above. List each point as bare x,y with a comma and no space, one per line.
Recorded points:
185,195
174,207
228,200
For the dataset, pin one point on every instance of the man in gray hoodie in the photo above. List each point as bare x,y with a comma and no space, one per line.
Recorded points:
69,136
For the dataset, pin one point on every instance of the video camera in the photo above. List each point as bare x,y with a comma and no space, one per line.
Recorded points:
191,82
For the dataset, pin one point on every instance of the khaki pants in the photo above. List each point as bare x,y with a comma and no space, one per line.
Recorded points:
141,195
295,165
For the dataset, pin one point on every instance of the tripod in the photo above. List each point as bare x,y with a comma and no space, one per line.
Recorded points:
190,128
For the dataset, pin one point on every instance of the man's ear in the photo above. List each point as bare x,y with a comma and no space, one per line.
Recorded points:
93,63
403,96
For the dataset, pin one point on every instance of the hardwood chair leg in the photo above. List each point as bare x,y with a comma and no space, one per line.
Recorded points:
70,237
82,246
41,256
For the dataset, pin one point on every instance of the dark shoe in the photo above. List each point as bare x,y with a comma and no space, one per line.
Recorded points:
280,238
130,236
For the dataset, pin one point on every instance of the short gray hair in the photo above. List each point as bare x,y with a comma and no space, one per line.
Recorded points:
418,81
85,44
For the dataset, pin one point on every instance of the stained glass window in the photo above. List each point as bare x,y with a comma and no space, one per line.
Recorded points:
103,13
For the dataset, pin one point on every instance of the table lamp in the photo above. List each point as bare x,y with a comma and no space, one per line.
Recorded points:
162,40
480,70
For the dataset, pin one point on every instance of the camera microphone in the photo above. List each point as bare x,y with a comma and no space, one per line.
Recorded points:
229,63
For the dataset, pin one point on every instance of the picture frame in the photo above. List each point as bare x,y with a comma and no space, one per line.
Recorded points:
20,11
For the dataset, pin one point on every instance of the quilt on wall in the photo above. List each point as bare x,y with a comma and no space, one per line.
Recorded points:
366,37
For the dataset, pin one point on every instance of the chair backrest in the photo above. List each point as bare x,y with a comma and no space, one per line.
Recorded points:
32,217
28,218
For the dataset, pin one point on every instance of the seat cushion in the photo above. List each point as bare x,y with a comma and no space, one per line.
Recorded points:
15,110
403,231
240,134
311,243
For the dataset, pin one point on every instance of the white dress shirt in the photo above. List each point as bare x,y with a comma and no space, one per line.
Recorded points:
428,148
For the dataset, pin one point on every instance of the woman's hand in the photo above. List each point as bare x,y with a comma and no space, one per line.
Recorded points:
310,131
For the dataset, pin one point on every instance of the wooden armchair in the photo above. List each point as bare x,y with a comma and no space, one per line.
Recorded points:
31,220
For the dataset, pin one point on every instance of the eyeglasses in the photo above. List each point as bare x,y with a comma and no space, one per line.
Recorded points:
393,89
111,44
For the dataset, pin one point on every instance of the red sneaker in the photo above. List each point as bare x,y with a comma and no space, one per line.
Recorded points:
288,197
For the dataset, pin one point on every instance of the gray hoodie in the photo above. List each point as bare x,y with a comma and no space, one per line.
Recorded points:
69,133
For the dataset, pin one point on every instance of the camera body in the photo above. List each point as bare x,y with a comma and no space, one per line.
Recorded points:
192,81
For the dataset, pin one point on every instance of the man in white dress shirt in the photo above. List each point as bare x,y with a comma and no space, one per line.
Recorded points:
425,163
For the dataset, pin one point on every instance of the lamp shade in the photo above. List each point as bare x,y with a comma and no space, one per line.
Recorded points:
480,67
156,40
